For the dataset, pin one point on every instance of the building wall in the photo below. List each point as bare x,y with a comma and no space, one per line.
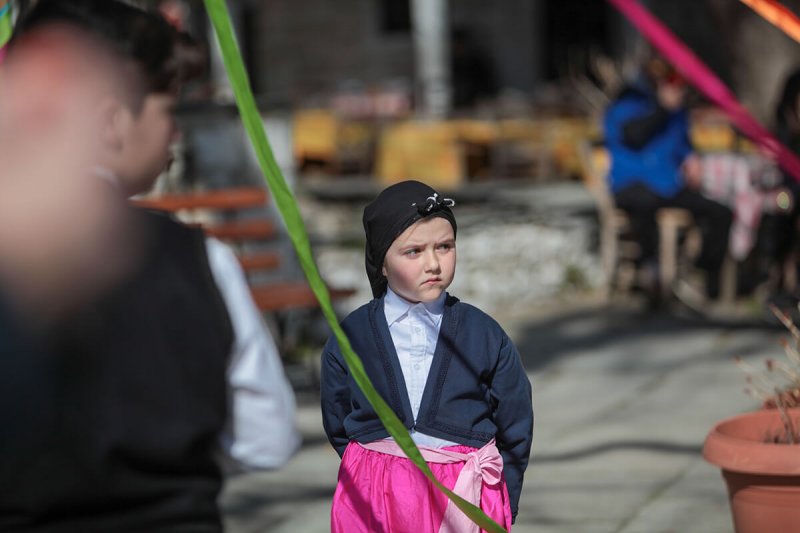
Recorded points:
304,49
509,31
761,56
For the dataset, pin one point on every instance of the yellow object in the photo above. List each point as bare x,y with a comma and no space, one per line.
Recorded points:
319,135
476,131
314,134
566,136
712,137
422,150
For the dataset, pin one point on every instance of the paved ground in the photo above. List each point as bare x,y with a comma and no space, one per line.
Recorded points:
623,401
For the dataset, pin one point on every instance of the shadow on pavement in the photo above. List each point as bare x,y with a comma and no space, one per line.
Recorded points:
641,445
544,341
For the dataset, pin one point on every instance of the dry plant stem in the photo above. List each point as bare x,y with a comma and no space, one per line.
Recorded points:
791,353
786,321
765,387
788,372
758,394
787,420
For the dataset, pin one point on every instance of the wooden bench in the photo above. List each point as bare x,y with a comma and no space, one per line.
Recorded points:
229,203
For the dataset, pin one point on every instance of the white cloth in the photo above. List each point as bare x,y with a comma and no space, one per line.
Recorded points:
261,431
748,184
415,331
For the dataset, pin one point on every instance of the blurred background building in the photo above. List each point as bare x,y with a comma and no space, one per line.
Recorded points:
337,81
357,94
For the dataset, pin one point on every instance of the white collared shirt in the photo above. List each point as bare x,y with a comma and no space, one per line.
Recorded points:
261,430
415,331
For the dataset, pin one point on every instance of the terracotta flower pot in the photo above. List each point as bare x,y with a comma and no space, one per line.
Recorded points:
763,478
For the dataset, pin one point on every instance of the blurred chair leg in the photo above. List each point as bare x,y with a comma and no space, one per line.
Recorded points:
728,280
609,253
670,222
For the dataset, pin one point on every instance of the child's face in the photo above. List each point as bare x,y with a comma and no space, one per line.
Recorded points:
421,262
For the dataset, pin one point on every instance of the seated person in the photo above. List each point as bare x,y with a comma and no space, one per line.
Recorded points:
652,166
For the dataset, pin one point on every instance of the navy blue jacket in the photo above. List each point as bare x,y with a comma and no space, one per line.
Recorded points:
477,389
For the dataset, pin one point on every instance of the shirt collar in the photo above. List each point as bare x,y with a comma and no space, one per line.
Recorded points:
396,307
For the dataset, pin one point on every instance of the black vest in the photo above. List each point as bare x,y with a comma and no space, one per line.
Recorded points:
129,405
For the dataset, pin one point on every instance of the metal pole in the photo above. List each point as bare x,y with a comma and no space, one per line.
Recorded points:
432,54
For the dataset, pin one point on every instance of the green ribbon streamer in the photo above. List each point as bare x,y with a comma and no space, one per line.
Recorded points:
5,25
287,206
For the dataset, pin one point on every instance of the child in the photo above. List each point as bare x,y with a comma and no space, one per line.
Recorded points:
448,371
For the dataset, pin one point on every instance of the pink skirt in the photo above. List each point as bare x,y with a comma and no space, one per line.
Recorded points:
381,493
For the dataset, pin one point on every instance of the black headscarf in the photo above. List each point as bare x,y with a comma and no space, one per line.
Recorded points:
390,214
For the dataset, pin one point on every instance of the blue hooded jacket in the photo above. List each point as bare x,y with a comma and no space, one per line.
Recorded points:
657,164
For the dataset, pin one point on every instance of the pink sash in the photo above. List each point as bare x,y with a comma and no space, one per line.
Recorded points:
481,466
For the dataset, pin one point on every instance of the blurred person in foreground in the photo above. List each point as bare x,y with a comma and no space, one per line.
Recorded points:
653,166
171,377
57,221
61,231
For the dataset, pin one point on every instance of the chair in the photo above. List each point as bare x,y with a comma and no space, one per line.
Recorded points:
617,251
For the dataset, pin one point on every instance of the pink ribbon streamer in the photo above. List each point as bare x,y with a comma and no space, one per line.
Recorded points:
699,75
481,466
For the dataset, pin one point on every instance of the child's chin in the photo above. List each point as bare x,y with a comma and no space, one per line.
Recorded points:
431,294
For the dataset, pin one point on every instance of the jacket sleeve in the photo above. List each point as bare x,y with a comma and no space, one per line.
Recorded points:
334,396
513,415
685,146
638,131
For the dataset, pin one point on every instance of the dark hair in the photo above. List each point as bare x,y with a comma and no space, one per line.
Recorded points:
163,57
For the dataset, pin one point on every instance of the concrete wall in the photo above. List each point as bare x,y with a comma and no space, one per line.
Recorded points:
307,48
304,49
511,34
762,56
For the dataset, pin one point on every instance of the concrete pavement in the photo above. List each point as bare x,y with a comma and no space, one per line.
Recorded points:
623,401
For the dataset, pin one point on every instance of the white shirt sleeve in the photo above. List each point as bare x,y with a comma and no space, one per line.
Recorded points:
261,432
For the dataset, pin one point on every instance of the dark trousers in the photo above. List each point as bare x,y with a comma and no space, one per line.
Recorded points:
713,219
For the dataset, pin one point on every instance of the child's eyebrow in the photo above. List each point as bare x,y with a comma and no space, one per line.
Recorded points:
422,244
